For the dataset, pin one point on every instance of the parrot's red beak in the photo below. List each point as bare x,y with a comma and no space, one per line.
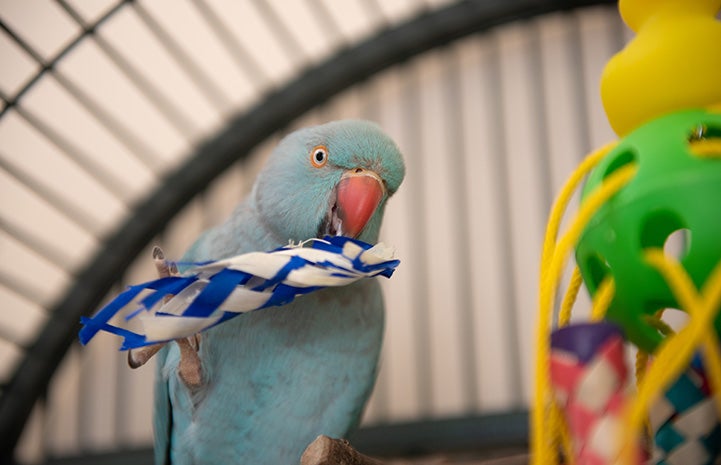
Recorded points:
358,194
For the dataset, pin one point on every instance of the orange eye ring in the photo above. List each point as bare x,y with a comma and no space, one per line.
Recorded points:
319,156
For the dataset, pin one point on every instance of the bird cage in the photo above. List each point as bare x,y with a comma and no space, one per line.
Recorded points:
126,124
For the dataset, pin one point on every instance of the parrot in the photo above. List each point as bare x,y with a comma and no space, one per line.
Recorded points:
264,385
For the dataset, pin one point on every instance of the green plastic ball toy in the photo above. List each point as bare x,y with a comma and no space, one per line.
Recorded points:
672,190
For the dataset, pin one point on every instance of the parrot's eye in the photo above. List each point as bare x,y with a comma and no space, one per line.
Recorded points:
319,156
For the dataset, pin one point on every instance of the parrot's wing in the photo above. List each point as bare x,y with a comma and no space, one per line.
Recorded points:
163,415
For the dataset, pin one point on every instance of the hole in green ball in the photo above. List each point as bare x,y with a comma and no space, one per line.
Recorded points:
702,132
622,159
701,137
677,243
665,321
663,229
598,269
675,318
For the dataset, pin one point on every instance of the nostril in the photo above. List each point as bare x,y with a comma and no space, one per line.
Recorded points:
359,170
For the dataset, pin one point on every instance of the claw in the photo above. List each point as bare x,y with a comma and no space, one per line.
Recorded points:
161,265
158,253
194,341
189,368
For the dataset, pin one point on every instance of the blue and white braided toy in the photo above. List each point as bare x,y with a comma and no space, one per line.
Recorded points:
213,292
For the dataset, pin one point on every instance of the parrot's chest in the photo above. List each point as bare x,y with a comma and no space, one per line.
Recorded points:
290,372
332,321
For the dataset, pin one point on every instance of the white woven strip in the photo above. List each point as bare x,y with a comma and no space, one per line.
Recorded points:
211,293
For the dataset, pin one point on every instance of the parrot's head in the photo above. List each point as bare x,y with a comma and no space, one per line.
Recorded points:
330,179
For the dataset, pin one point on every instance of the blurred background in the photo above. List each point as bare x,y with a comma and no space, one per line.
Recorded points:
126,124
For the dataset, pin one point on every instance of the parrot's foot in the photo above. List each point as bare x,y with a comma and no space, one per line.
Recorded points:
329,451
189,368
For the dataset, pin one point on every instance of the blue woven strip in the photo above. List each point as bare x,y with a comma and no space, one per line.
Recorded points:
293,264
135,313
97,322
363,267
133,341
330,245
169,285
130,338
221,285
712,443
684,394
388,268
284,294
667,438
335,246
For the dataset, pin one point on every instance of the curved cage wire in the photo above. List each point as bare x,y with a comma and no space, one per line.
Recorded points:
162,147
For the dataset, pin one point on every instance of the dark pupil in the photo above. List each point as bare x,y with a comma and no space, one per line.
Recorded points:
319,156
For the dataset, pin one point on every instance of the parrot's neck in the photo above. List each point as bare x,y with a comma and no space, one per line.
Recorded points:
246,230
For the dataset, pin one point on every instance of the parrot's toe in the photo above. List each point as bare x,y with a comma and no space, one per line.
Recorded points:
190,369
140,356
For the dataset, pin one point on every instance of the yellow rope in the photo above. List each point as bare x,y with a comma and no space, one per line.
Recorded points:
658,324
574,284
710,148
558,423
674,354
564,196
640,371
695,303
641,365
602,299
593,202
541,439
708,300
553,255
544,444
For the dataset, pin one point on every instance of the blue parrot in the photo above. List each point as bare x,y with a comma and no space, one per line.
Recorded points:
264,385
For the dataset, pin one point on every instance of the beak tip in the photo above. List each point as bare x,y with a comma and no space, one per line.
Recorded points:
358,198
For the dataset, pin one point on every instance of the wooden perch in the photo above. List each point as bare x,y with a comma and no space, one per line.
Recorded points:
329,451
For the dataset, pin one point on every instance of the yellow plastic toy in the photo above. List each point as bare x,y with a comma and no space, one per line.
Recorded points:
662,96
673,63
